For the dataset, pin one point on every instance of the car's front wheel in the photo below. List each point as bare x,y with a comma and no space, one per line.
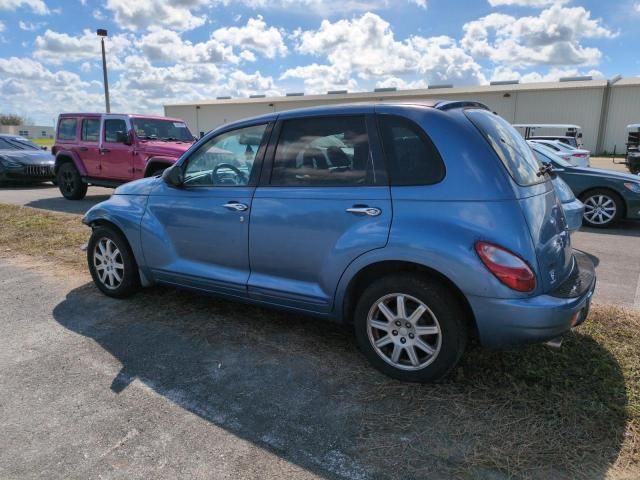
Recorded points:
602,208
411,328
70,182
111,263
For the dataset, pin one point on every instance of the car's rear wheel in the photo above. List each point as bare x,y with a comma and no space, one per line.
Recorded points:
70,183
411,328
602,208
111,263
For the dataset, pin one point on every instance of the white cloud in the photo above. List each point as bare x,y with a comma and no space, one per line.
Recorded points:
366,47
552,38
168,46
636,7
140,14
57,48
553,75
2,27
322,78
37,6
401,84
25,82
31,26
255,36
526,3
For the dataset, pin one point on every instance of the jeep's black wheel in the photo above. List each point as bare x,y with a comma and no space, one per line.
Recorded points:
70,183
411,328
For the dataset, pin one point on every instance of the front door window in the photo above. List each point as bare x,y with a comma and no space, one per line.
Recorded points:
226,160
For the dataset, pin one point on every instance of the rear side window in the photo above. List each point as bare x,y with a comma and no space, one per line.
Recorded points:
67,129
90,130
412,158
516,155
112,127
327,151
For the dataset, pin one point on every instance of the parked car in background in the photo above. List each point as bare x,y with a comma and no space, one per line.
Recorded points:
565,133
111,149
572,207
575,156
607,195
420,225
632,155
23,161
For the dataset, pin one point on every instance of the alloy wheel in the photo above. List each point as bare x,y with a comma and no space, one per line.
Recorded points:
108,263
599,209
404,332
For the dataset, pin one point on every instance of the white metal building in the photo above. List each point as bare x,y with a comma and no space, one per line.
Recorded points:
29,131
602,108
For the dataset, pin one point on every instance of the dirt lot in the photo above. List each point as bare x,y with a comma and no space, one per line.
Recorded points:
171,384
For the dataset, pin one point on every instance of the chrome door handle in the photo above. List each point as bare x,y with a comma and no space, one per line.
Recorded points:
371,211
238,207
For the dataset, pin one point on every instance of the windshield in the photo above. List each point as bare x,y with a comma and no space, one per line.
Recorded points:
159,129
16,143
546,155
516,155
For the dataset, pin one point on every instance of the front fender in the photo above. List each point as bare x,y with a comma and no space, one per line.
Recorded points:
125,212
61,157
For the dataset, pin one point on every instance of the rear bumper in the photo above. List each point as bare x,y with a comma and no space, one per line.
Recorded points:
508,322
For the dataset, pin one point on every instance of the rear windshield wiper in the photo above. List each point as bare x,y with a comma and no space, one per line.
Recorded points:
545,168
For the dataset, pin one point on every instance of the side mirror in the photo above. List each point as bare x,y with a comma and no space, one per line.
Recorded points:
44,148
173,176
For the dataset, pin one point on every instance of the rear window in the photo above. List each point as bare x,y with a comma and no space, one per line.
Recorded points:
511,148
412,159
67,129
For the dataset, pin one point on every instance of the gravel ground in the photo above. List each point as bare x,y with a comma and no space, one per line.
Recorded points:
170,384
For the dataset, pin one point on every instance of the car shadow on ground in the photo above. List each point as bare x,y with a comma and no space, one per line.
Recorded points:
299,388
68,206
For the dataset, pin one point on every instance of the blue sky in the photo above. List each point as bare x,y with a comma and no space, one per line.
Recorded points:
168,51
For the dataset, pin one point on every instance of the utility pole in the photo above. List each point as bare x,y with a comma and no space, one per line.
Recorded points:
101,32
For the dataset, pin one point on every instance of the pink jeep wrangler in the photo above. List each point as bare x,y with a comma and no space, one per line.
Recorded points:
111,149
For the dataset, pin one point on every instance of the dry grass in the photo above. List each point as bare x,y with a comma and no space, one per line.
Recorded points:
40,234
527,413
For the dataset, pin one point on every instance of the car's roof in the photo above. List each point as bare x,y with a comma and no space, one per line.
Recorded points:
130,115
355,107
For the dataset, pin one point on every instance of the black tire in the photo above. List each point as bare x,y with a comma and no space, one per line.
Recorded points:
593,198
106,277
447,311
70,182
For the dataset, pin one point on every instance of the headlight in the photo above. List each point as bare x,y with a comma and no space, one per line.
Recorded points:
634,187
8,162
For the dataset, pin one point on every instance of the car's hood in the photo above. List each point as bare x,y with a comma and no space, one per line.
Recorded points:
167,149
601,172
144,186
29,157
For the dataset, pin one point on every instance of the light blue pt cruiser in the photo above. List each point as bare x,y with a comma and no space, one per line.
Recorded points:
422,225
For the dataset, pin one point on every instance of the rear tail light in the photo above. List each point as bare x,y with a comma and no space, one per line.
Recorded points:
580,155
509,268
